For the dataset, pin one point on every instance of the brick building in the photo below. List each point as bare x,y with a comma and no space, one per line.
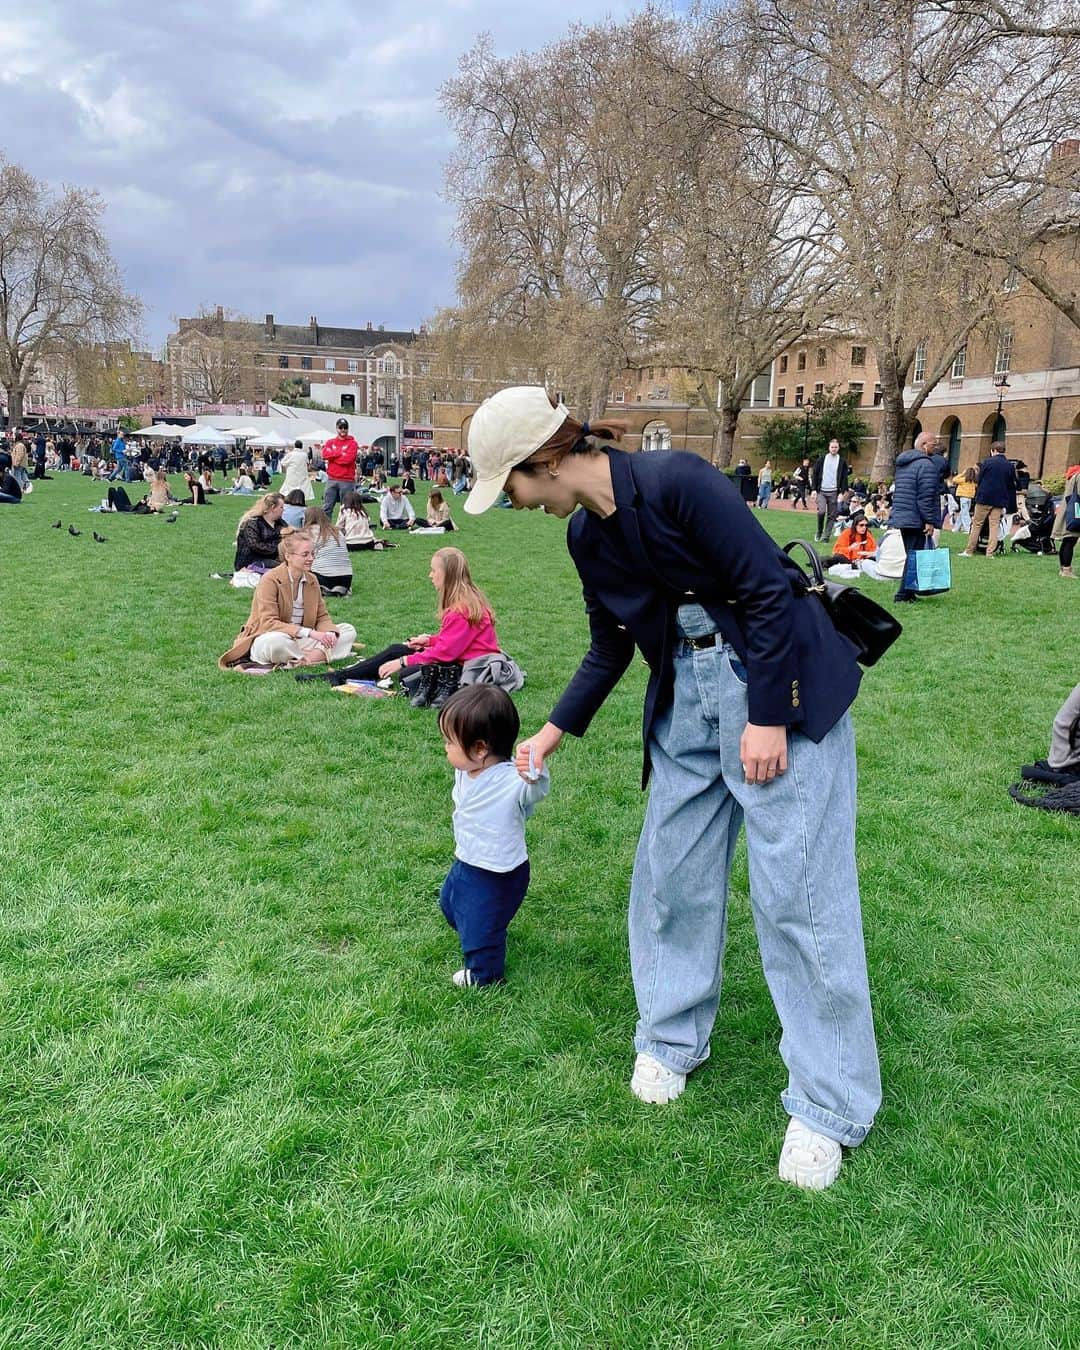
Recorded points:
215,358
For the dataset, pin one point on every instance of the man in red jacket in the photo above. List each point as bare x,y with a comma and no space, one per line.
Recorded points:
339,456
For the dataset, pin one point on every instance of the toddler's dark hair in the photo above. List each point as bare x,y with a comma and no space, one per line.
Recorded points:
481,712
296,498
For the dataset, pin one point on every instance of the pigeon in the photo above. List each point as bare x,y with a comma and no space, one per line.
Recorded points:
74,532
56,525
98,538
171,520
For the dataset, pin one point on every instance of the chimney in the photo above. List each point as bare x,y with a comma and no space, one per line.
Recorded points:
369,327
220,314
314,325
270,328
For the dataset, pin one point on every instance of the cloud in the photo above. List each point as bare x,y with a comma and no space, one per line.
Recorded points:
256,154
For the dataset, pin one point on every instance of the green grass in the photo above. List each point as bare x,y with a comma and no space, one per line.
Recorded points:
241,1104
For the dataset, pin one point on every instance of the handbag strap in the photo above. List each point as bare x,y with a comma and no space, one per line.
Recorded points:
818,583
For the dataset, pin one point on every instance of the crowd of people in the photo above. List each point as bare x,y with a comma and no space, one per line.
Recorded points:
749,696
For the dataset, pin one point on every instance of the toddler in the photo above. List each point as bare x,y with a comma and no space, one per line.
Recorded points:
490,875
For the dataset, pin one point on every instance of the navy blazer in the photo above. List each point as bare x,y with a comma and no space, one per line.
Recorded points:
681,534
997,483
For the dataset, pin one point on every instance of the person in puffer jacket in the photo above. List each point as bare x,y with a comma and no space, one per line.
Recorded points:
916,507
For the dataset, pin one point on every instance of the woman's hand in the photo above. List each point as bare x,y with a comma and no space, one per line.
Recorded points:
763,752
419,642
545,742
326,639
391,667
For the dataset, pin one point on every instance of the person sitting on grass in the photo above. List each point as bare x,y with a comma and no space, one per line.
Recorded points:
355,524
258,536
396,511
854,544
289,624
488,879
198,492
466,630
243,483
332,566
295,509
11,494
438,513
159,498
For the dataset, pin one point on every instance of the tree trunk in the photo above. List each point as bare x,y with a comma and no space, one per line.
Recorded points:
896,421
729,421
14,405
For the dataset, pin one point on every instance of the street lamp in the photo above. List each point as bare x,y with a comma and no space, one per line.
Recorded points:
808,408
1001,386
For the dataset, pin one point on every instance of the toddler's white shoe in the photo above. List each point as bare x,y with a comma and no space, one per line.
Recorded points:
653,1082
463,978
809,1159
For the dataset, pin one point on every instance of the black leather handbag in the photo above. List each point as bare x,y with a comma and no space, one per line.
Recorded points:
871,629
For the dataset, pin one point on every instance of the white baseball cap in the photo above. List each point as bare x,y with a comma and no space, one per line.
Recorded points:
506,429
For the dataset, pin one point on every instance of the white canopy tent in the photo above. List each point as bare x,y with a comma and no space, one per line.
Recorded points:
269,441
207,436
160,431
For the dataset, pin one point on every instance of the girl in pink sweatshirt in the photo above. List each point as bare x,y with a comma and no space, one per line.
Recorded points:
466,630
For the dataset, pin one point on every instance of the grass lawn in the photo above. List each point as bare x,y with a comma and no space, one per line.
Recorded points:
242,1105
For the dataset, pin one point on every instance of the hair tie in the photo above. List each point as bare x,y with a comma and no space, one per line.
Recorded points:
585,428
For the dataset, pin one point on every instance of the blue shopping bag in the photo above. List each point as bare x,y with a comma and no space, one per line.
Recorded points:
933,571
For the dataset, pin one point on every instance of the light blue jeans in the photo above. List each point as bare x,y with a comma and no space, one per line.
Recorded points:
804,893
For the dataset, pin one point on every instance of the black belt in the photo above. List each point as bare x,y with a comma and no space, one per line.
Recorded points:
701,644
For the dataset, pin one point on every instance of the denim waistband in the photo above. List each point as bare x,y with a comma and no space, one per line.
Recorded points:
695,621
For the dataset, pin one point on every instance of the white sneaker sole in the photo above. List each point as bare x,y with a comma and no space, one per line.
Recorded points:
809,1176
657,1091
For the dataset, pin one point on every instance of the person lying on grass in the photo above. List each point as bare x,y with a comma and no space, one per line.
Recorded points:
466,630
487,882
289,624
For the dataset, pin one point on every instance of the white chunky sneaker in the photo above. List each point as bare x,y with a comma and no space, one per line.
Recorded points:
809,1159
462,978
652,1082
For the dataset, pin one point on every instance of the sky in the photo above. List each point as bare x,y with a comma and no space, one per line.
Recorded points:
266,156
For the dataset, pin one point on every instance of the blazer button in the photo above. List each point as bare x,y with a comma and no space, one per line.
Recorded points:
794,702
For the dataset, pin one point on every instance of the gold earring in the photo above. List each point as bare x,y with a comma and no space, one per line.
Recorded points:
552,473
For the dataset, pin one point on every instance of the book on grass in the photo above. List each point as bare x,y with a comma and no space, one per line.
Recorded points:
364,689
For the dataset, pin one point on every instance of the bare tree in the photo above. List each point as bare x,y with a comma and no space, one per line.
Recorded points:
740,249
554,181
866,103
209,354
59,284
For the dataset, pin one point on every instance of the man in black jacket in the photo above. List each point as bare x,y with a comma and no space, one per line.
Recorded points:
829,477
995,492
916,508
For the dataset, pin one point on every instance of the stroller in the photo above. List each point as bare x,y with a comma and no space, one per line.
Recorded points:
1034,535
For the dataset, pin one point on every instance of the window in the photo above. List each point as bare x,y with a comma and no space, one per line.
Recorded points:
759,390
959,364
424,367
1011,282
783,364
619,396
918,369
260,359
330,364
858,356
1004,352
354,366
819,390
856,387
305,363
801,362
822,357
781,397
877,395
283,362
798,395
469,373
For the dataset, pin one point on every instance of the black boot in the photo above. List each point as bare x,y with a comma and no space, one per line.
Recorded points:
425,688
446,683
